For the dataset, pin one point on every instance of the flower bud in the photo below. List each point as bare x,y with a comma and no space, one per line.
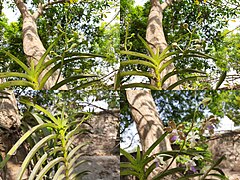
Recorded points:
185,25
175,45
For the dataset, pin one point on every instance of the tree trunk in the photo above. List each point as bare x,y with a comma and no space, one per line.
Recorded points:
32,45
155,36
149,126
9,126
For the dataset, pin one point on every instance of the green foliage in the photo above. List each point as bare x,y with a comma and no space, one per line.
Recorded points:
157,62
31,76
52,152
205,20
188,153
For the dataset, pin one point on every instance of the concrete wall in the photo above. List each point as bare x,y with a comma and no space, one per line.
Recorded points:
103,151
227,143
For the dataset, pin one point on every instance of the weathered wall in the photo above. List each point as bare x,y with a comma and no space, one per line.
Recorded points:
228,144
103,151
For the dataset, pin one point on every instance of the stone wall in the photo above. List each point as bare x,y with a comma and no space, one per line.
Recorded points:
103,150
227,143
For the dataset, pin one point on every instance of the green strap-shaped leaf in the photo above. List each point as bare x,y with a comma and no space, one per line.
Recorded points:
142,62
75,166
22,139
169,172
41,161
213,166
87,84
155,144
79,175
150,169
221,79
183,80
136,73
219,176
179,72
141,55
48,167
138,156
9,84
41,60
134,167
19,62
51,71
189,176
129,172
59,172
142,85
130,158
74,150
147,46
167,63
73,161
33,151
16,74
70,79
68,58
46,112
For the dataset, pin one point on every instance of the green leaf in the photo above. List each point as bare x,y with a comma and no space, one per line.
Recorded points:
70,79
18,61
136,54
147,47
142,62
183,80
142,85
74,150
41,60
24,101
130,158
221,79
48,167
138,156
16,74
85,85
33,151
129,172
179,72
135,73
79,175
155,144
42,160
16,83
169,172
59,172
22,139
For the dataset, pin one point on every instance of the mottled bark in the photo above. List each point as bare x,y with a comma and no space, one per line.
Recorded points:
9,126
32,45
149,126
155,36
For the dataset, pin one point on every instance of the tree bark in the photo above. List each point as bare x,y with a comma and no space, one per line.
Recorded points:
9,126
32,45
155,36
149,126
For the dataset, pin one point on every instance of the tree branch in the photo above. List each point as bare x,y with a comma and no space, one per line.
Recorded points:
42,7
166,4
22,8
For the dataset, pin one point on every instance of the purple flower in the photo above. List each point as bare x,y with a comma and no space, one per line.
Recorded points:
209,127
173,138
193,169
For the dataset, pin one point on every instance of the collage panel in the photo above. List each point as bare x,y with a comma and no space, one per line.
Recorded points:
179,134
178,45
59,135
59,45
